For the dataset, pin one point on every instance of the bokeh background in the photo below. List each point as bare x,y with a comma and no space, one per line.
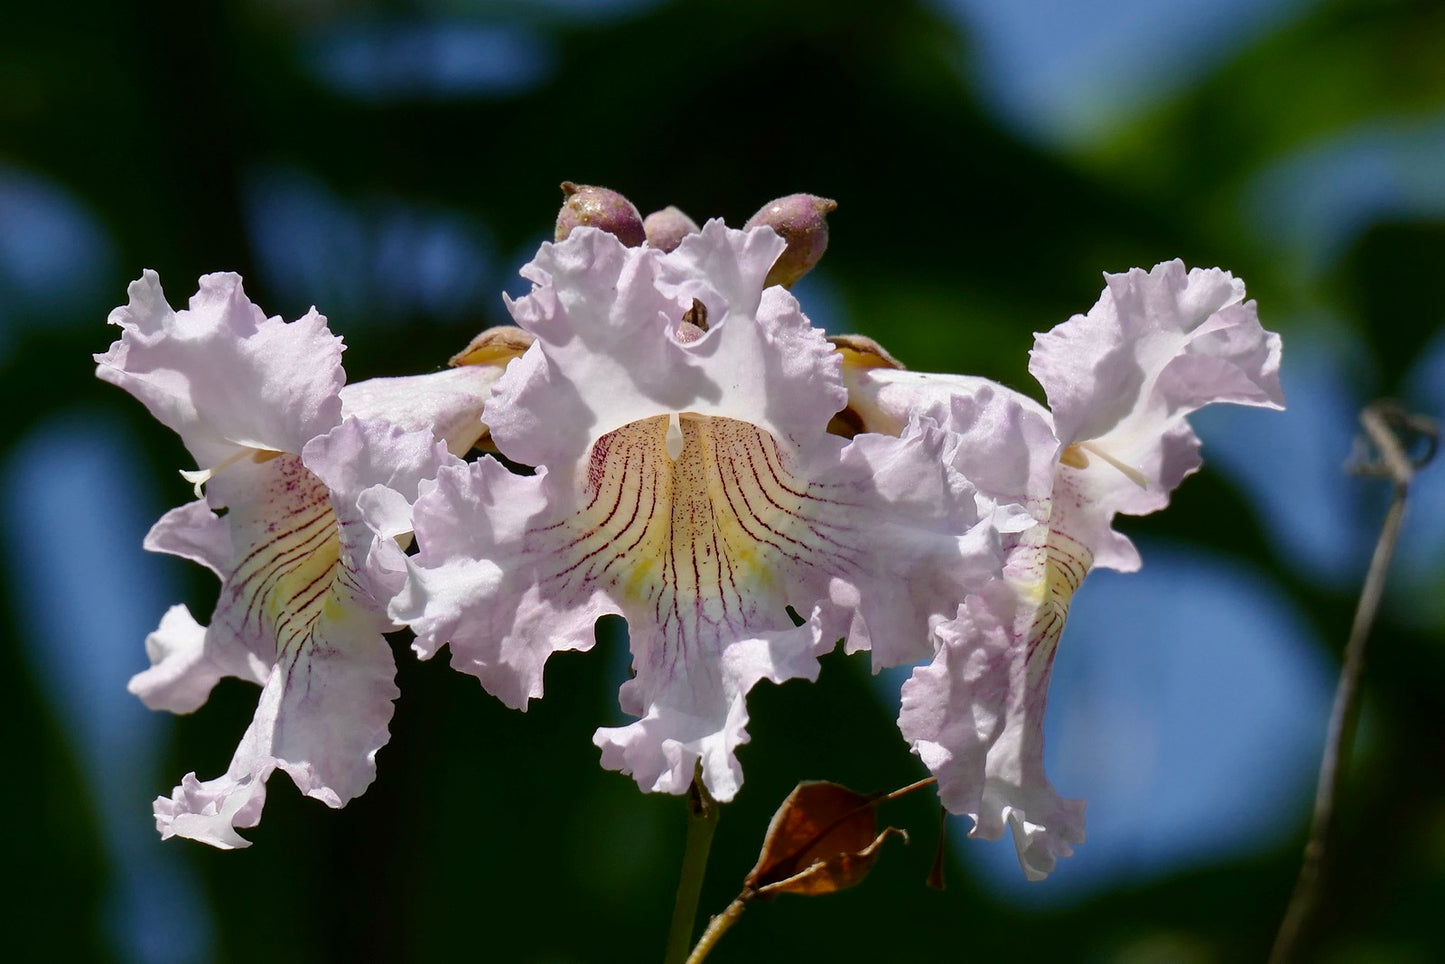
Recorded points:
394,163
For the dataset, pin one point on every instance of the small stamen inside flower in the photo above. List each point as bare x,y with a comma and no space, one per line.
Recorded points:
1076,456
199,477
674,440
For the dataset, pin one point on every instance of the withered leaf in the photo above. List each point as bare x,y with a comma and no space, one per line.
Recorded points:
823,838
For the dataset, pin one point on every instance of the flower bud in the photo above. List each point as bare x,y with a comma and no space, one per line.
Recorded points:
665,229
599,207
494,346
802,221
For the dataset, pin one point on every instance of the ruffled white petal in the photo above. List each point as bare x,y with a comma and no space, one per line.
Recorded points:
918,524
608,354
447,404
223,375
702,551
975,718
186,665
1002,442
474,582
193,531
1121,379
677,414
695,712
372,469
1158,344
323,715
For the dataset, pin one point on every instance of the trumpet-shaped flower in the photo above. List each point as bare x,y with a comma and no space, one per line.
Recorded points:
1114,439
675,412
308,484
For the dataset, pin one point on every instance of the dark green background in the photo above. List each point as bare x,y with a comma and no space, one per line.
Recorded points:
494,835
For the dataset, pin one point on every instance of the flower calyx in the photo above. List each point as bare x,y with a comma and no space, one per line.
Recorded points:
587,205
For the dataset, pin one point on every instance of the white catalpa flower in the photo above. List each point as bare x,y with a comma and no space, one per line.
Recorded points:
1114,439
290,461
675,412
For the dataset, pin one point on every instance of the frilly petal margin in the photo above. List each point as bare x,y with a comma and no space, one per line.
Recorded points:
607,353
870,541
701,717
975,718
1157,345
304,521
676,412
221,374
473,584
386,464
187,663
324,713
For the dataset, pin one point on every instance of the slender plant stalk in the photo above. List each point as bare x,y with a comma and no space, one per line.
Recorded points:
1381,421
905,791
702,817
718,926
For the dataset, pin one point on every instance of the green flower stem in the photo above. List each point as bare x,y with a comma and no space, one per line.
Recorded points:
702,817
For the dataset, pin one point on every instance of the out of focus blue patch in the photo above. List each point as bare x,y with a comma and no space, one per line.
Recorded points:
381,61
91,595
1315,202
1291,464
368,259
1070,73
54,253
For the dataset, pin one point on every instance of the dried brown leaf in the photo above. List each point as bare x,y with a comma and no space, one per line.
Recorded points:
823,838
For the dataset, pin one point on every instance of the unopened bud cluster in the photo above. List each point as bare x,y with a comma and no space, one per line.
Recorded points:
800,219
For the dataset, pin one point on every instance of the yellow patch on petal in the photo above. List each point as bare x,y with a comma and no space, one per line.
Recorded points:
1067,562
288,576
690,516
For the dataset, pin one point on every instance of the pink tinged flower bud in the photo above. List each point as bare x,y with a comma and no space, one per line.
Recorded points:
802,221
598,207
665,229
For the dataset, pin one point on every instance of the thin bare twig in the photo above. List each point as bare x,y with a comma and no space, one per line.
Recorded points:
1391,431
